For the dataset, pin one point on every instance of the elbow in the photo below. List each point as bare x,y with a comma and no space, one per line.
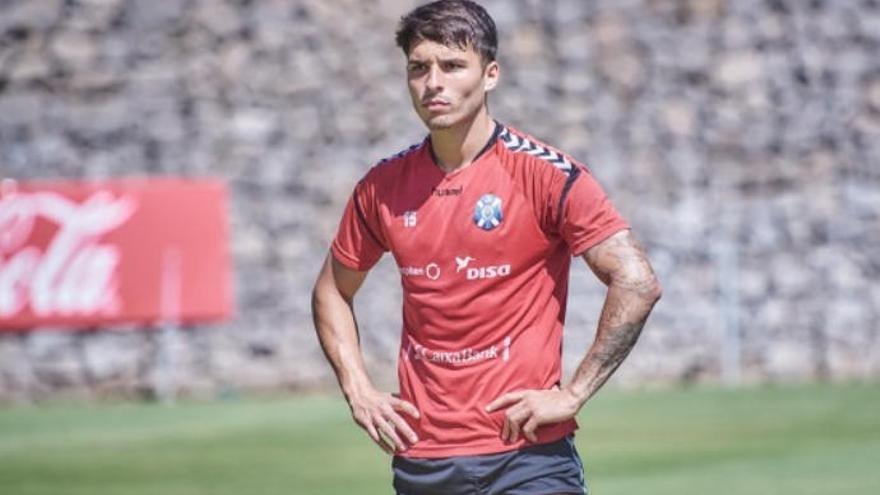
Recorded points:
316,301
651,290
655,290
648,287
645,286
322,294
315,295
326,293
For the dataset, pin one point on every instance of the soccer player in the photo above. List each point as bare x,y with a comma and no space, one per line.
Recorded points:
482,221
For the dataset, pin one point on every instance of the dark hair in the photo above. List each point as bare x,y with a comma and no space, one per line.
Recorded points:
459,23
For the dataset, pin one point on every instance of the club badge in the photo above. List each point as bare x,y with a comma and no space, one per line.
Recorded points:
487,214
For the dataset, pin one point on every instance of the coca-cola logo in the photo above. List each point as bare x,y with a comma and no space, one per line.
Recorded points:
74,274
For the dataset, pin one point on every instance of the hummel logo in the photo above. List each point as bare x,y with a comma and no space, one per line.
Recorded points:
449,191
462,263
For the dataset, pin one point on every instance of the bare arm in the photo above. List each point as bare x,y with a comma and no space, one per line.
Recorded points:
619,262
336,326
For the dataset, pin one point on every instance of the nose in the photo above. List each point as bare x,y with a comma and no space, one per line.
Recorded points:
434,82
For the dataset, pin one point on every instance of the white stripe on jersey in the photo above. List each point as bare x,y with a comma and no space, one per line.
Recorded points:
520,144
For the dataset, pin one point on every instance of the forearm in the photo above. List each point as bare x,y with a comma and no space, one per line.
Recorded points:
623,316
336,327
619,261
332,309
626,308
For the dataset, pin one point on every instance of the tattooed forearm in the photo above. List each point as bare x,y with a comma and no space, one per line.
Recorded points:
633,289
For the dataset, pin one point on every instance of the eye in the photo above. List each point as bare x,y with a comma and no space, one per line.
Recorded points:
415,66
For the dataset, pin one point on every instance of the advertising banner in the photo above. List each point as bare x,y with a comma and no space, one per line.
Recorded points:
79,254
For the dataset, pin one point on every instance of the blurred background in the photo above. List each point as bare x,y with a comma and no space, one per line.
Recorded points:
741,139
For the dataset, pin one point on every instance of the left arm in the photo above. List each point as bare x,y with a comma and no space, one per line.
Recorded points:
620,263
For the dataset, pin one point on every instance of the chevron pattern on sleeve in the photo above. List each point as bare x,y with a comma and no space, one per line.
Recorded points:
522,145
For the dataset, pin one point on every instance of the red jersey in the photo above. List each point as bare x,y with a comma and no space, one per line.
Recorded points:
484,255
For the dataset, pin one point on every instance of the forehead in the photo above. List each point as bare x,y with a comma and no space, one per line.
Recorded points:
427,50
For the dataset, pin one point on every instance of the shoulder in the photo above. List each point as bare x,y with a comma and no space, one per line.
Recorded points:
537,154
385,171
401,156
532,159
391,165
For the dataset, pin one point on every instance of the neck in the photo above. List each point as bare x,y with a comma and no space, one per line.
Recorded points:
457,147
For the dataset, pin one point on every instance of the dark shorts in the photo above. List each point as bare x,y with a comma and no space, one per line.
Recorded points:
550,468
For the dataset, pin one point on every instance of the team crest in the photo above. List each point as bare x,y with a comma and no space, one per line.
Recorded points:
487,214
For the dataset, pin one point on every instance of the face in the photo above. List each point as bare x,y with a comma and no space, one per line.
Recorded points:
448,85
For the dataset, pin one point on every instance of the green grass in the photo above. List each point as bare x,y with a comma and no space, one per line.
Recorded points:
789,440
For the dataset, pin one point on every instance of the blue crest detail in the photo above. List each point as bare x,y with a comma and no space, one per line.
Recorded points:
487,214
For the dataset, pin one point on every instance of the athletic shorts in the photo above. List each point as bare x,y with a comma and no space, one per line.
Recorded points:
552,468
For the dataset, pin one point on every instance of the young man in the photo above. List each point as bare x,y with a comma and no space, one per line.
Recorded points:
482,221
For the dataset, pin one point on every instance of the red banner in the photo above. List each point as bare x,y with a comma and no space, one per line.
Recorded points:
85,254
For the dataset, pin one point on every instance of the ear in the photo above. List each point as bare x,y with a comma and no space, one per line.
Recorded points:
491,74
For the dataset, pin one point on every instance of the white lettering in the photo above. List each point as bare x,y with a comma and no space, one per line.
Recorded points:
76,275
409,219
411,271
466,356
433,271
485,272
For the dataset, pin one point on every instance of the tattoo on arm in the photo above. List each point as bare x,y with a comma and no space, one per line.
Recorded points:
619,261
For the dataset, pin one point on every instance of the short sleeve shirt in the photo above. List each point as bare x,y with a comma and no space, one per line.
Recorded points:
483,254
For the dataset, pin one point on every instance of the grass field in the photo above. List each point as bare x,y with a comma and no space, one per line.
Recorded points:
789,440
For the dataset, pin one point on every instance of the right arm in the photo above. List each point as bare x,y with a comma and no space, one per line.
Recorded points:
333,313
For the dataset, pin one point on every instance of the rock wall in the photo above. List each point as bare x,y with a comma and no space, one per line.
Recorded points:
740,138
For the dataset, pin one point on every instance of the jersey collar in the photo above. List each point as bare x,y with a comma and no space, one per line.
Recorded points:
491,142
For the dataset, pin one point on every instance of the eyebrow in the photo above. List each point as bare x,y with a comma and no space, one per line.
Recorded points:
442,60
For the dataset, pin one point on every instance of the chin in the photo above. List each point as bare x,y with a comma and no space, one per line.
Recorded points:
441,122
438,126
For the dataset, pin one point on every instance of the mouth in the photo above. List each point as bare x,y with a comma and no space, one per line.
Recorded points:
435,104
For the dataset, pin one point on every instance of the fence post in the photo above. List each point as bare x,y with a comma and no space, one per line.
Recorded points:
169,307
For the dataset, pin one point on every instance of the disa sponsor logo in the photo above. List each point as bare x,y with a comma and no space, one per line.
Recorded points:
485,272
482,272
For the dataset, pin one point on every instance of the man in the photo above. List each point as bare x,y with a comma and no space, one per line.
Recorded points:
482,221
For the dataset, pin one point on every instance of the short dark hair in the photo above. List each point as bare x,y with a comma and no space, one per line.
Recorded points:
459,23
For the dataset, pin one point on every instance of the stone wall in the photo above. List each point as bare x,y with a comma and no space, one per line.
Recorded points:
741,139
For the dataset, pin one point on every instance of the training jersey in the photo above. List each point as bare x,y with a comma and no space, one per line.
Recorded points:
483,254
